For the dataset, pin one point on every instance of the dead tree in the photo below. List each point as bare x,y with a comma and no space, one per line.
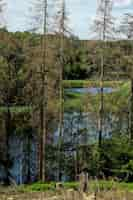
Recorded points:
103,26
43,107
61,32
126,26
39,23
6,95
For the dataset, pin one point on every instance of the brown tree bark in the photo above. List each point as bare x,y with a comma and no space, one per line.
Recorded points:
44,98
61,89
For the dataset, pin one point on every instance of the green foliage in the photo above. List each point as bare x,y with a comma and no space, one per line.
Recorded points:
90,83
75,83
117,157
103,185
94,185
71,185
115,102
42,187
73,101
17,109
20,60
37,187
107,185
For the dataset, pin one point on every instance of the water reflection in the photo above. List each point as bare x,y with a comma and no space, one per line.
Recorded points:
92,90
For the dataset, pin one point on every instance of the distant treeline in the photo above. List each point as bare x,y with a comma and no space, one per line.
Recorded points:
81,58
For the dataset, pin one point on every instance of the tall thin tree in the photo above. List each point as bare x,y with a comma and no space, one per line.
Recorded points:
126,26
8,91
62,32
39,23
61,26
103,26
43,108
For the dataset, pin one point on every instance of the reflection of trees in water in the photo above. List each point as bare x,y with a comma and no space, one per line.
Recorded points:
82,127
80,134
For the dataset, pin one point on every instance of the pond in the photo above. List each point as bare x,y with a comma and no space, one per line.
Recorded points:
91,90
78,128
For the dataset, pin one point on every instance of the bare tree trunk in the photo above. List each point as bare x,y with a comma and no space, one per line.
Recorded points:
44,98
76,164
104,28
101,107
104,23
8,123
8,129
61,89
28,158
61,117
131,112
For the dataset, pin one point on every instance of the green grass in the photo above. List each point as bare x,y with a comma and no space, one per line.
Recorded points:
35,187
16,109
77,101
110,185
90,83
42,187
126,186
75,83
71,185
93,186
73,101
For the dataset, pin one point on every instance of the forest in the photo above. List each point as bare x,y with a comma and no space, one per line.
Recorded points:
66,107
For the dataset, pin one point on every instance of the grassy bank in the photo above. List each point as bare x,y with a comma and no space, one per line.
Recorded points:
73,101
112,185
79,101
43,187
76,101
90,83
16,109
93,186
